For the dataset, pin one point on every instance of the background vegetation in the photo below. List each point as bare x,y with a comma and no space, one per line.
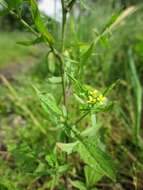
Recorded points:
28,136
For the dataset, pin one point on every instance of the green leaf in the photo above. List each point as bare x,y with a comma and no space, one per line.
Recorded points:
63,168
111,21
40,26
51,60
91,176
97,108
80,100
78,184
55,80
113,85
90,131
49,101
32,42
91,154
93,120
13,3
68,148
87,54
3,3
137,89
3,187
41,169
51,159
24,156
96,158
64,111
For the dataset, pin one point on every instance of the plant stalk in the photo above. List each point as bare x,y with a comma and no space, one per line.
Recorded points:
64,19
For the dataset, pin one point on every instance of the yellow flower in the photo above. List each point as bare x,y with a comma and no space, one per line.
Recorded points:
101,99
94,93
91,100
96,97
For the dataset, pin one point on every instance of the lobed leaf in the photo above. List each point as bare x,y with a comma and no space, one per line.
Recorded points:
97,159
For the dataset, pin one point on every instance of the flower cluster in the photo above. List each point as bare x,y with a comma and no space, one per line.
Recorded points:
96,97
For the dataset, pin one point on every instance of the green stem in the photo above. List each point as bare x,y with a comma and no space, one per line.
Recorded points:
64,19
21,20
81,118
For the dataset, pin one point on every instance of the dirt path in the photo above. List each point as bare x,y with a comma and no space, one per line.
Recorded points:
15,69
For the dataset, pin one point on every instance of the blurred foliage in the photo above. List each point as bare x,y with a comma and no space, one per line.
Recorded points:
10,22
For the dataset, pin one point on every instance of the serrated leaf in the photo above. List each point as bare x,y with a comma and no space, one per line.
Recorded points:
92,155
96,158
